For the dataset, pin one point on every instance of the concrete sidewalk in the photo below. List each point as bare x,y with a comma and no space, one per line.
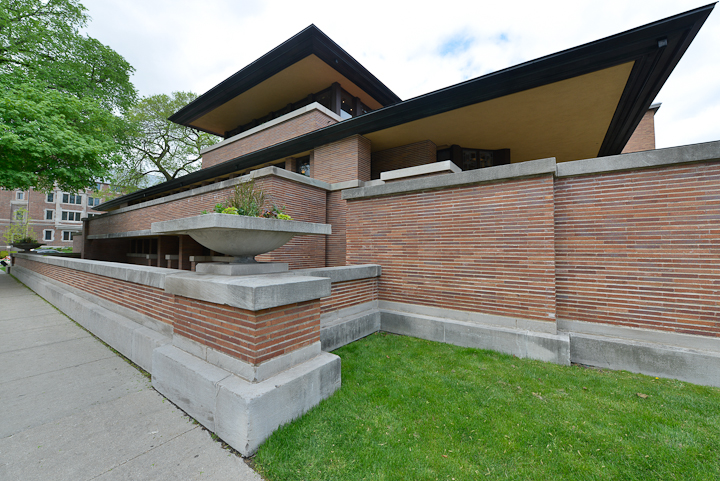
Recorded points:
71,409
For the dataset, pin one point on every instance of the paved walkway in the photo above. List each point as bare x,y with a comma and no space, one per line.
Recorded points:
71,409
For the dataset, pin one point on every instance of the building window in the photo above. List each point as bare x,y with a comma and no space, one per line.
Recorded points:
20,195
48,235
66,235
93,201
50,197
71,215
302,165
49,214
72,199
19,215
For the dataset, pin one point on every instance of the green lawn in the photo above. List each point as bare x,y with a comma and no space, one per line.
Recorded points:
412,409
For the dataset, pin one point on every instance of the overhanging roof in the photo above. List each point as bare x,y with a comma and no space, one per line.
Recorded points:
306,63
617,78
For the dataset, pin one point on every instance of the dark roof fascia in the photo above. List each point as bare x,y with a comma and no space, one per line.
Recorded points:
308,42
633,45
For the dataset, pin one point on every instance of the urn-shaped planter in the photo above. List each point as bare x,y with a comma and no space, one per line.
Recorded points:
26,246
239,236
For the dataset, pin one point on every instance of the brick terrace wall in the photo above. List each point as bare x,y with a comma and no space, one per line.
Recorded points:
641,248
350,293
347,159
410,155
485,248
303,202
644,136
250,336
336,216
289,129
151,301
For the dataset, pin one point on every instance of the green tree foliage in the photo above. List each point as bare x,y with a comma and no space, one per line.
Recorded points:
157,149
61,94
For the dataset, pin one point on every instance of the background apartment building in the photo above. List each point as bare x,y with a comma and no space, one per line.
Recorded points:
55,216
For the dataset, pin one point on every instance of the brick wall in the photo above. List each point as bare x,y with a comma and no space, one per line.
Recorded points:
289,129
303,202
151,301
411,155
640,248
347,159
250,336
485,248
350,293
644,136
336,216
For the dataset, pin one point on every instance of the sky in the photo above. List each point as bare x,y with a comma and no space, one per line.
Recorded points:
181,45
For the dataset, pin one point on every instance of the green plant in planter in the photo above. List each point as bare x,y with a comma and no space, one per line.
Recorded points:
249,200
20,232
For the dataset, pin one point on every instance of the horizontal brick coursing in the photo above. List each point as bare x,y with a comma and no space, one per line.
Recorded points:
485,248
350,293
252,337
411,155
336,216
289,129
346,159
150,301
641,249
301,201
643,138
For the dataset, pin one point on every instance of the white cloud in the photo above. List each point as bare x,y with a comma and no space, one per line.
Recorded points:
190,45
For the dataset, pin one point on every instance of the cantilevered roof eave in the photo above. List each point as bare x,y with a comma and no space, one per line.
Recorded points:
629,46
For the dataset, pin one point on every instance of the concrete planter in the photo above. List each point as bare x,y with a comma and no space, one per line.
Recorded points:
26,246
237,235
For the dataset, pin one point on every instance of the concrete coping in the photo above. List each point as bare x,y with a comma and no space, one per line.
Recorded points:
120,235
187,225
478,176
444,167
252,293
342,273
641,160
271,123
144,275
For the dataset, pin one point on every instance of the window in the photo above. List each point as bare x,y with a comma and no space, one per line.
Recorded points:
49,214
93,201
20,195
71,215
302,165
48,234
50,197
66,235
72,199
19,215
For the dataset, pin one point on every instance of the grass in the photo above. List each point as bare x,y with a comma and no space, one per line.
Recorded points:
413,409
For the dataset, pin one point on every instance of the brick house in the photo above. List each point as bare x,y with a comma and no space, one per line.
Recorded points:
496,213
55,216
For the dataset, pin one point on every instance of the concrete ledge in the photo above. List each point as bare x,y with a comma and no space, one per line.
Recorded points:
248,292
489,174
527,344
687,341
349,329
641,160
132,340
241,413
487,320
661,360
247,371
120,235
144,275
444,167
342,273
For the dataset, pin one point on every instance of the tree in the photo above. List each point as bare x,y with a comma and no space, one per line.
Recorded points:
156,148
60,92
